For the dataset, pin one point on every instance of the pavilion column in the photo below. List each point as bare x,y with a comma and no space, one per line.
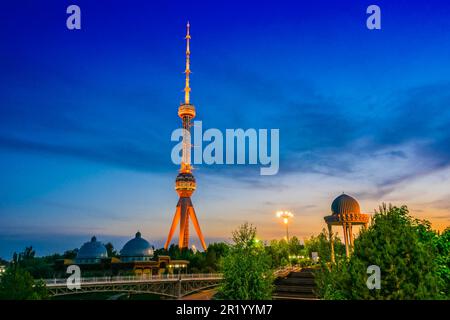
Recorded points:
331,243
347,253
350,236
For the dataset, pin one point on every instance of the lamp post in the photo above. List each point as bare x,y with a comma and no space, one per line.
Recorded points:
285,215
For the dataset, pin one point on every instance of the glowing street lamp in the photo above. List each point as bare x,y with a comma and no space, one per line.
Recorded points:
285,215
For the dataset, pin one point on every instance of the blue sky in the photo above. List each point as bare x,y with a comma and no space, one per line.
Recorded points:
86,116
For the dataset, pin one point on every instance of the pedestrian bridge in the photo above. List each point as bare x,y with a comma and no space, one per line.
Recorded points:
169,285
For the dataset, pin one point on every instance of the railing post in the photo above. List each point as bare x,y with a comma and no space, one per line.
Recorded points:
179,287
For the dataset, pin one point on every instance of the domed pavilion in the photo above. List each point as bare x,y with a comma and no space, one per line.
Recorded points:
137,249
345,212
91,252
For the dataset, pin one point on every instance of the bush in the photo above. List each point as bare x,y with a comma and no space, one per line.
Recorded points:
407,253
247,272
18,284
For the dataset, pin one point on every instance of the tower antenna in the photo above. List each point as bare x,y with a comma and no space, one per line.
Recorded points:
187,71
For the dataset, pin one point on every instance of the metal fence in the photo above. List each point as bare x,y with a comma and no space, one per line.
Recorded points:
140,278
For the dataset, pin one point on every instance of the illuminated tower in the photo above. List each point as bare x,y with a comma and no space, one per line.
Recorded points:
185,181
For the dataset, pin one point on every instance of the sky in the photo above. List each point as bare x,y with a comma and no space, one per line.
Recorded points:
86,115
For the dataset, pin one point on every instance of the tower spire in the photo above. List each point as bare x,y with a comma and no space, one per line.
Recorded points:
187,88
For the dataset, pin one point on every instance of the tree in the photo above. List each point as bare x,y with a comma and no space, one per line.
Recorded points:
321,245
110,250
279,253
27,254
199,262
295,247
18,284
70,254
38,267
404,250
247,272
214,255
442,244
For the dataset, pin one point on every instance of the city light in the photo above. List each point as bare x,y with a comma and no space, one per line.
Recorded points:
285,215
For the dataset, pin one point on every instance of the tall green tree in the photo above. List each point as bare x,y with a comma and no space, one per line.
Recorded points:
404,250
247,272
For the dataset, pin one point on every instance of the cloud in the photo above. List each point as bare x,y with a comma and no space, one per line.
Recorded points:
126,154
84,210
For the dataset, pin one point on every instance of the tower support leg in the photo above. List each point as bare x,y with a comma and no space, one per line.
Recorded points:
183,241
175,220
197,227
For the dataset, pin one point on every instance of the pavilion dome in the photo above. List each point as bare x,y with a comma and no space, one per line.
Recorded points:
92,250
137,248
344,204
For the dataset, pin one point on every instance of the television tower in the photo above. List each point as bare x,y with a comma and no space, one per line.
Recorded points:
185,182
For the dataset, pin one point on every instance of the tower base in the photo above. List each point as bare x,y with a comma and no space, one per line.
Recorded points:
183,212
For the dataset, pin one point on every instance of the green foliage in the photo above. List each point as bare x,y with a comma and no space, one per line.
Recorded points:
279,253
214,255
110,250
295,247
38,267
18,284
246,268
405,249
199,262
321,245
442,244
70,254
283,253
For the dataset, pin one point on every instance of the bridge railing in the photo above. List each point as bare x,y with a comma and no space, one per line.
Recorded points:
140,278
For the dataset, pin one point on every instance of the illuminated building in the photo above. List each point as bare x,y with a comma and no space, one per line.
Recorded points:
137,249
345,212
91,252
136,257
185,182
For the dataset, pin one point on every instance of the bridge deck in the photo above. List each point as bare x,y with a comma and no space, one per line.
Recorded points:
62,282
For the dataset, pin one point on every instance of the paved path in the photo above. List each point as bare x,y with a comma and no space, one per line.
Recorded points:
202,295
117,296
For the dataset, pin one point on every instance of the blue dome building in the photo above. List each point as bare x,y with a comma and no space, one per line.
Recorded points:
137,249
91,252
136,257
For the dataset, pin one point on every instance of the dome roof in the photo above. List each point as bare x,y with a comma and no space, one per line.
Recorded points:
92,250
137,247
344,204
